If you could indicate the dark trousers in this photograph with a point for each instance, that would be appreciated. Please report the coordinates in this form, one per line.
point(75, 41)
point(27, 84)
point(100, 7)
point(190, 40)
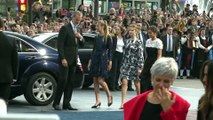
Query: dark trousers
point(145, 83)
point(169, 54)
point(5, 91)
point(65, 84)
point(116, 64)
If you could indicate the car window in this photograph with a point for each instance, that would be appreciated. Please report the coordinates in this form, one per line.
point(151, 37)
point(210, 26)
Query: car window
point(22, 46)
point(88, 43)
point(52, 42)
point(25, 47)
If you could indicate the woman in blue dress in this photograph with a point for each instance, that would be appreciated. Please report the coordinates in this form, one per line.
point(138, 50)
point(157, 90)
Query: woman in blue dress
point(101, 62)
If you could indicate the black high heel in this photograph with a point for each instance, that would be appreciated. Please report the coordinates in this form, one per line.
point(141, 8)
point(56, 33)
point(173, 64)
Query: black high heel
point(109, 104)
point(96, 106)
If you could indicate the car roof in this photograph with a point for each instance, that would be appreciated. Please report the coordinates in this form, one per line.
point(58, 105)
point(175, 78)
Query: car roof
point(43, 36)
point(30, 40)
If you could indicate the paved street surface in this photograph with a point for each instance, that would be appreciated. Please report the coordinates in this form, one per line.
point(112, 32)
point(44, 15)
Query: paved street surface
point(191, 90)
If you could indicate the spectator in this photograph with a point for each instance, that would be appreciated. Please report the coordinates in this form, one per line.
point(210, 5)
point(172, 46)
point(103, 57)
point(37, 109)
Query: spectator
point(63, 13)
point(69, 13)
point(159, 103)
point(81, 9)
point(36, 8)
point(170, 44)
point(31, 33)
point(205, 111)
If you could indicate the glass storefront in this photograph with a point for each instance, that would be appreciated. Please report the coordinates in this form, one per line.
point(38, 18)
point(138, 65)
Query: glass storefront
point(140, 5)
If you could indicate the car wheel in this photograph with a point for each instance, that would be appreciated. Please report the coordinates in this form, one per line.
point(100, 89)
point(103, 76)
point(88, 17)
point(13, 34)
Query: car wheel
point(41, 89)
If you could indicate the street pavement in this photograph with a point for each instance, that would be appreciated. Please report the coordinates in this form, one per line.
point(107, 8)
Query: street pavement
point(189, 89)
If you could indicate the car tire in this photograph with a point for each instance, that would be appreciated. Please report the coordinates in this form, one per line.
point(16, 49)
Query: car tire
point(41, 89)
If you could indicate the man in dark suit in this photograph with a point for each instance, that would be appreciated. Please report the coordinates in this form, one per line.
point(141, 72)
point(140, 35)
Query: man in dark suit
point(170, 44)
point(68, 40)
point(142, 37)
point(8, 62)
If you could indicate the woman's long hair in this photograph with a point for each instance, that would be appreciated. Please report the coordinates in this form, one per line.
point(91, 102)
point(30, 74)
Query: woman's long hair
point(206, 101)
point(105, 28)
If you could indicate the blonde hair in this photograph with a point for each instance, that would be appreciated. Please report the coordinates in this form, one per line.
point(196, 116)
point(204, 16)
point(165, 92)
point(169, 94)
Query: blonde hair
point(105, 28)
point(134, 26)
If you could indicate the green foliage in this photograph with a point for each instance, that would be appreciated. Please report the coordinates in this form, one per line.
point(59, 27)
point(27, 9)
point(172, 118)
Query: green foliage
point(25, 18)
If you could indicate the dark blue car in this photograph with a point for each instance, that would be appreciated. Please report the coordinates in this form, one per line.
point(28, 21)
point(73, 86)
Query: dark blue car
point(84, 51)
point(38, 71)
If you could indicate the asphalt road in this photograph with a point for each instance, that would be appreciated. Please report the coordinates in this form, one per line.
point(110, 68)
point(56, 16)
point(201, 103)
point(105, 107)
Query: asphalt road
point(191, 90)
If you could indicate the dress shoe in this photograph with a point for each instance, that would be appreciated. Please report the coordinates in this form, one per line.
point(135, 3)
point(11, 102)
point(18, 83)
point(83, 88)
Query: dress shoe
point(56, 107)
point(109, 104)
point(97, 105)
point(69, 108)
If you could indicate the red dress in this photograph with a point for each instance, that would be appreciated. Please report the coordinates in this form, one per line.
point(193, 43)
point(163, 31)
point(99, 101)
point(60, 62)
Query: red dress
point(178, 111)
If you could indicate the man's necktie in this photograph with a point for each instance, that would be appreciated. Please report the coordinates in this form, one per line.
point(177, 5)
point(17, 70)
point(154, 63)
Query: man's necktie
point(169, 44)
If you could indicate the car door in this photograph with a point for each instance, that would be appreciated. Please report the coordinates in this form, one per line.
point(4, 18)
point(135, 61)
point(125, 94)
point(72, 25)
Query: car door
point(52, 41)
point(85, 52)
point(79, 76)
point(27, 54)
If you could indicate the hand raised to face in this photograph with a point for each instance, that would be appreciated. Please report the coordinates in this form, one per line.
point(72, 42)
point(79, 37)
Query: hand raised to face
point(165, 98)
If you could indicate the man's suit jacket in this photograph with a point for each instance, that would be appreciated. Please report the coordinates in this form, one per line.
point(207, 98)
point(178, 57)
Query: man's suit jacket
point(175, 45)
point(8, 59)
point(68, 45)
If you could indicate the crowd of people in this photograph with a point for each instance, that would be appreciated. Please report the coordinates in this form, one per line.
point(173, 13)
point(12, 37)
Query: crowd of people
point(129, 47)
point(177, 26)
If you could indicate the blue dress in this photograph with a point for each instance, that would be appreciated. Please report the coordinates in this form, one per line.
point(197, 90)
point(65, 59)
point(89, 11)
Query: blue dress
point(102, 53)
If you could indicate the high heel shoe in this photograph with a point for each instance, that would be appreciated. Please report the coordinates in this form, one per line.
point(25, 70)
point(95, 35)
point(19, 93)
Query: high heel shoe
point(109, 104)
point(96, 106)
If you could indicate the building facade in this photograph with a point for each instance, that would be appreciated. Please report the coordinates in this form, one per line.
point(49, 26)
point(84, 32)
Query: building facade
point(6, 5)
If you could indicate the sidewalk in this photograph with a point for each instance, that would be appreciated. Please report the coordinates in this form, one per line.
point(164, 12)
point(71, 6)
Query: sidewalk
point(191, 90)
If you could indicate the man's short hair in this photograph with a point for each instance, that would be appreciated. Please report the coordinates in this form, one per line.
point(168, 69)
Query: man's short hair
point(194, 5)
point(77, 13)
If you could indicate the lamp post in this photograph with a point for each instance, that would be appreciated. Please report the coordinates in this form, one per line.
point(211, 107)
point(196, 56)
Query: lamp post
point(96, 7)
point(30, 2)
